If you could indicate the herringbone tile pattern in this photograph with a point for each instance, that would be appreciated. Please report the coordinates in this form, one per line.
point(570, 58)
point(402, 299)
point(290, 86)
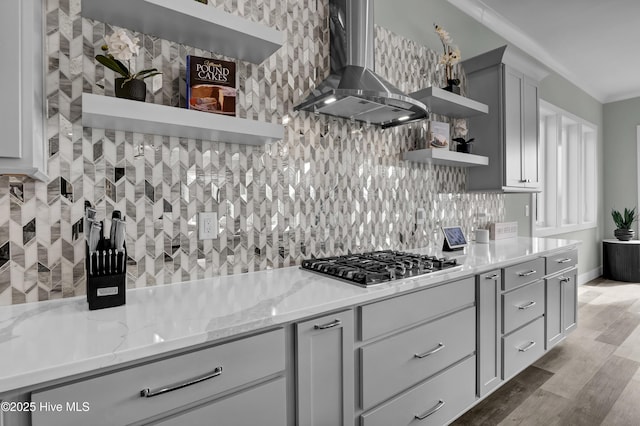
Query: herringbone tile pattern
point(328, 187)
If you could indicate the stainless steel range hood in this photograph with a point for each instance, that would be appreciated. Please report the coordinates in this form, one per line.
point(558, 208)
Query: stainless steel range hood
point(353, 90)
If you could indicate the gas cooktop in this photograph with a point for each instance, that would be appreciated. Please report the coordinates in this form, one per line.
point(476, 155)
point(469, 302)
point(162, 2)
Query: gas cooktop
point(377, 267)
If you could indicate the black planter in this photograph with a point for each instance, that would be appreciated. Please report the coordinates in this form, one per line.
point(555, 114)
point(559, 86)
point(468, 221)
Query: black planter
point(133, 89)
point(624, 234)
point(453, 86)
point(466, 148)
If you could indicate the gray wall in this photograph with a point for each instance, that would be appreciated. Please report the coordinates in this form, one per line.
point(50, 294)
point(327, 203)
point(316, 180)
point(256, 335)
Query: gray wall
point(621, 181)
point(474, 38)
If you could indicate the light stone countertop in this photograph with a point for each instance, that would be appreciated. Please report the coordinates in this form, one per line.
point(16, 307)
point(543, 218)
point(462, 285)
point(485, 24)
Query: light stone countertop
point(46, 341)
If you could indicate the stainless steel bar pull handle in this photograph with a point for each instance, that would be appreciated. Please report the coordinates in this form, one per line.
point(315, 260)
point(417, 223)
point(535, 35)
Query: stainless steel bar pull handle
point(438, 406)
point(493, 277)
point(332, 324)
point(527, 305)
point(148, 393)
point(526, 274)
point(565, 260)
point(527, 347)
point(431, 352)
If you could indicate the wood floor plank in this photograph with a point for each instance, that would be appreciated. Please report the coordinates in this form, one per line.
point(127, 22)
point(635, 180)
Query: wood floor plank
point(594, 402)
point(630, 348)
point(541, 408)
point(558, 357)
point(582, 358)
point(511, 395)
point(587, 296)
point(626, 410)
point(620, 329)
point(600, 316)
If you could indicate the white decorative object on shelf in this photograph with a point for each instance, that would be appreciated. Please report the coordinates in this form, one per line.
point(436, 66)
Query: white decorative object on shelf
point(442, 102)
point(105, 112)
point(445, 157)
point(503, 230)
point(190, 23)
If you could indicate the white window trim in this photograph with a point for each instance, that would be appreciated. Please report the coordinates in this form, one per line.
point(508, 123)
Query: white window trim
point(638, 158)
point(564, 229)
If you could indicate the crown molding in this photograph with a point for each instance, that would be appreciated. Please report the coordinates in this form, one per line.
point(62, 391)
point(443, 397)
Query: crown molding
point(488, 17)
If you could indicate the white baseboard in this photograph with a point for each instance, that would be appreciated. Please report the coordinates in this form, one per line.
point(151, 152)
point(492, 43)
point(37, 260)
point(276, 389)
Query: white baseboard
point(590, 275)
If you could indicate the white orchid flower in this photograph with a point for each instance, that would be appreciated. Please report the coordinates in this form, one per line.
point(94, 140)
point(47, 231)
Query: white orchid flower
point(121, 46)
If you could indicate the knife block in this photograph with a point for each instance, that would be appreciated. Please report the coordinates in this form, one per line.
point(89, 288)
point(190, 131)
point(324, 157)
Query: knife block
point(105, 290)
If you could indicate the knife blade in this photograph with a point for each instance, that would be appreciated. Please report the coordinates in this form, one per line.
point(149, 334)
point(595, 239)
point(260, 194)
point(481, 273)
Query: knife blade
point(94, 240)
point(119, 244)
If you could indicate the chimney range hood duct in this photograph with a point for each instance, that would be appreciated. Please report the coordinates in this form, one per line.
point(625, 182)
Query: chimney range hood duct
point(353, 90)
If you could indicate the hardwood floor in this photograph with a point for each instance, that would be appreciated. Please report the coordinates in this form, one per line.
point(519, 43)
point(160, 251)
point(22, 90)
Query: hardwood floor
point(592, 378)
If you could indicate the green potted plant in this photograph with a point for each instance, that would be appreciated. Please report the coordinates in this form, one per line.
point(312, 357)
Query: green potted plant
point(120, 47)
point(623, 223)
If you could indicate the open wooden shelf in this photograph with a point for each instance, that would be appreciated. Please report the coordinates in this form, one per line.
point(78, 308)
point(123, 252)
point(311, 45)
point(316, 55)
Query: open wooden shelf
point(190, 23)
point(440, 101)
point(105, 112)
point(445, 157)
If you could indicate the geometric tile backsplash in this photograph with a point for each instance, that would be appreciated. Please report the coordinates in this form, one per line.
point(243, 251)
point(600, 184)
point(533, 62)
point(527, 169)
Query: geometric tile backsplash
point(329, 187)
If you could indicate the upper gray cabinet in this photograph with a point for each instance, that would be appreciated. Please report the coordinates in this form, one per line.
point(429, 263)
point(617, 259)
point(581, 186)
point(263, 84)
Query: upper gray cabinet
point(507, 81)
point(23, 142)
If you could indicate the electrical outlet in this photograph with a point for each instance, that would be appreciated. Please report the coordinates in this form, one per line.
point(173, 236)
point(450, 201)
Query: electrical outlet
point(207, 226)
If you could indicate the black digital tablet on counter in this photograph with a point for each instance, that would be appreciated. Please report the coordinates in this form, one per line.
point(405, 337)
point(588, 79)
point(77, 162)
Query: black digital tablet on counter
point(453, 238)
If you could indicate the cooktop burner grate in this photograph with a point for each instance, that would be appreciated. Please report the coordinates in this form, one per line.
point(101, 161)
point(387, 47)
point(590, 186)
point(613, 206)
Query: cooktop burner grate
point(377, 267)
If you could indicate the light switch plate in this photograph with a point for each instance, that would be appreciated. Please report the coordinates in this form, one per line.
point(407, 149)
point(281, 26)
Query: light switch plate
point(207, 226)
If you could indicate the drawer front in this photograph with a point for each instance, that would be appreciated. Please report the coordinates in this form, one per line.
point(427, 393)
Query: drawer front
point(521, 348)
point(522, 305)
point(115, 399)
point(264, 405)
point(437, 401)
point(402, 311)
point(396, 363)
point(560, 261)
point(522, 273)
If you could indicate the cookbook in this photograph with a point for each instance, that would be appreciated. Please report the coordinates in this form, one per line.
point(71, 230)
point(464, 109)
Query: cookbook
point(439, 135)
point(211, 85)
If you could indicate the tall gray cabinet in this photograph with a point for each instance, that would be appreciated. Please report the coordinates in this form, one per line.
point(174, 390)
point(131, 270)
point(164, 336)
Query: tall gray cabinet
point(325, 370)
point(22, 112)
point(507, 81)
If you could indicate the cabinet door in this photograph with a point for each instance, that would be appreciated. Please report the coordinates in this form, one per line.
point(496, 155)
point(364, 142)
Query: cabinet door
point(489, 314)
point(553, 311)
point(10, 108)
point(569, 301)
point(22, 112)
point(513, 125)
point(530, 133)
point(325, 370)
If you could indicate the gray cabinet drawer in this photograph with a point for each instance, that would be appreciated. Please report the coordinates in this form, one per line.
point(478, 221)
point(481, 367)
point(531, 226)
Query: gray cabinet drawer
point(522, 305)
point(521, 348)
point(522, 273)
point(402, 311)
point(264, 405)
point(115, 398)
point(560, 261)
point(396, 363)
point(438, 400)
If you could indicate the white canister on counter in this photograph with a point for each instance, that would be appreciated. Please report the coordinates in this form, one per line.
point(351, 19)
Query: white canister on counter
point(482, 236)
